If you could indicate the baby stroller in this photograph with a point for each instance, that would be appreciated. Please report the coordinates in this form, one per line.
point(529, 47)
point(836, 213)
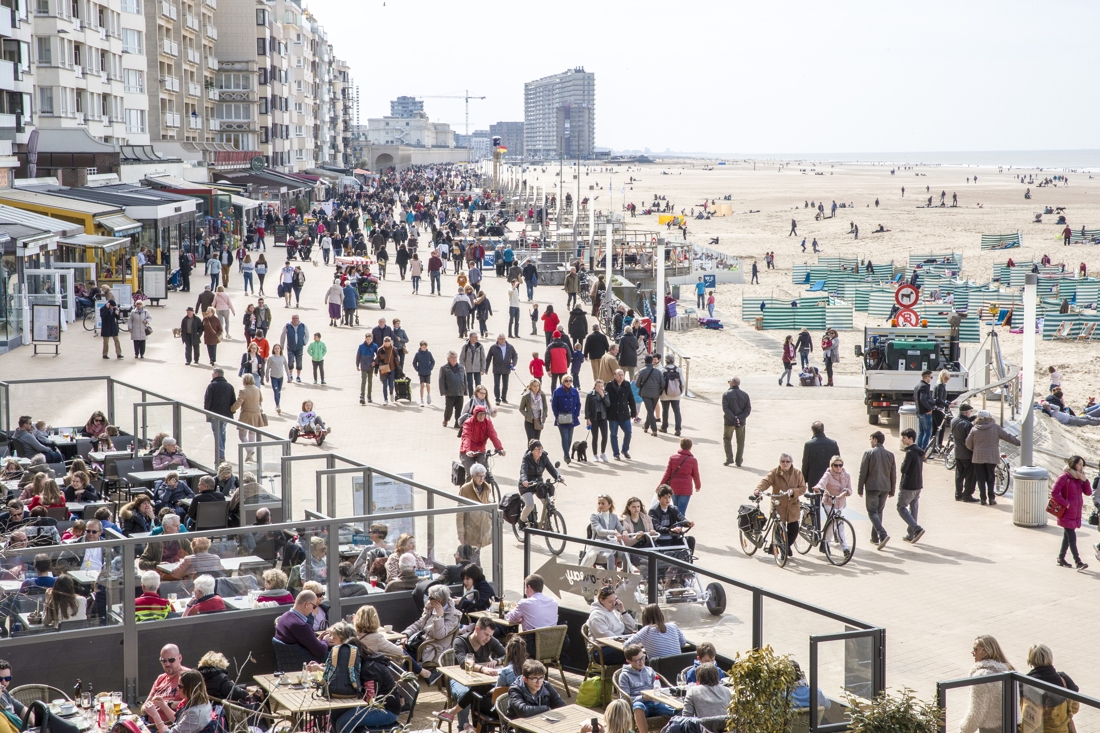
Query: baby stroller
point(174, 281)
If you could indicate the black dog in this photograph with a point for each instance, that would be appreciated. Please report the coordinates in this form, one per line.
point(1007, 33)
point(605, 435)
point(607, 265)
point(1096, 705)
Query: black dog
point(580, 451)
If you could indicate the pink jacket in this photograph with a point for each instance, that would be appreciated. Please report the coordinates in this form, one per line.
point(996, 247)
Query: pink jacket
point(1070, 493)
point(834, 487)
point(223, 303)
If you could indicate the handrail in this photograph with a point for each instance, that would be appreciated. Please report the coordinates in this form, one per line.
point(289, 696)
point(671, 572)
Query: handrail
point(1011, 683)
point(684, 362)
point(1012, 395)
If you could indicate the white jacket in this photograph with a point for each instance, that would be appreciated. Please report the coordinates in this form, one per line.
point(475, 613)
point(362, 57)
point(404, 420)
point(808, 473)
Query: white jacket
point(602, 623)
point(985, 700)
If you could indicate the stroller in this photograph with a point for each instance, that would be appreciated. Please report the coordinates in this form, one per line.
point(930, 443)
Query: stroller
point(174, 281)
point(305, 250)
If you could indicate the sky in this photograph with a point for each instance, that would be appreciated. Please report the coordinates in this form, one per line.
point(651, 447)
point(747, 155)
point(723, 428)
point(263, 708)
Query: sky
point(727, 76)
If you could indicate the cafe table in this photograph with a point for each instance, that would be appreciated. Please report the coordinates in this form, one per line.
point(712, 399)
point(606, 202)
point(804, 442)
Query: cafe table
point(662, 696)
point(567, 719)
point(492, 616)
point(286, 694)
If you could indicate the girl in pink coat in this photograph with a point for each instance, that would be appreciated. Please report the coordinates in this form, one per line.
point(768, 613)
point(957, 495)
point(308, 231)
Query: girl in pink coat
point(1070, 491)
point(836, 486)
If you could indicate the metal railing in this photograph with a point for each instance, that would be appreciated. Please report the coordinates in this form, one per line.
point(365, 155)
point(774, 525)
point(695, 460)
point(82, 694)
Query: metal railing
point(1013, 711)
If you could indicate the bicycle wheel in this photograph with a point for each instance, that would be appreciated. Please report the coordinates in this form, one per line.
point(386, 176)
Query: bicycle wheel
point(949, 455)
point(518, 530)
point(555, 523)
point(89, 320)
point(838, 530)
point(750, 541)
point(779, 545)
point(496, 490)
point(1002, 478)
point(807, 535)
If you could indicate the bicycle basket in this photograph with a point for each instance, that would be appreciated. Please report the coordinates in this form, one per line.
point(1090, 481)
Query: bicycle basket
point(544, 490)
point(750, 518)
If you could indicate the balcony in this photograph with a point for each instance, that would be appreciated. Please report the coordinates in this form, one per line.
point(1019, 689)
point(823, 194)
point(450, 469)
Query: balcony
point(212, 4)
point(170, 48)
point(171, 119)
point(213, 95)
point(79, 71)
point(194, 122)
point(211, 63)
point(211, 32)
point(103, 34)
point(168, 10)
point(191, 22)
point(80, 118)
point(193, 56)
point(193, 89)
point(215, 125)
point(76, 24)
point(170, 83)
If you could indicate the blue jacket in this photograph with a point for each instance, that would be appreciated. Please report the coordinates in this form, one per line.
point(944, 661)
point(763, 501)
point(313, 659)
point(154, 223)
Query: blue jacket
point(351, 297)
point(567, 402)
point(423, 363)
point(364, 357)
point(294, 339)
point(578, 360)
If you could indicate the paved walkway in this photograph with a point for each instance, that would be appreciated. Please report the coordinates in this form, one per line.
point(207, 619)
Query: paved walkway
point(973, 573)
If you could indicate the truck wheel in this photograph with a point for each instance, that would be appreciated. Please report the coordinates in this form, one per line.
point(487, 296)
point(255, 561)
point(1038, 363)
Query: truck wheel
point(873, 419)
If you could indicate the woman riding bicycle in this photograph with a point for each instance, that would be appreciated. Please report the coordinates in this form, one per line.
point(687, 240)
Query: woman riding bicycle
point(835, 486)
point(786, 481)
point(477, 431)
point(534, 462)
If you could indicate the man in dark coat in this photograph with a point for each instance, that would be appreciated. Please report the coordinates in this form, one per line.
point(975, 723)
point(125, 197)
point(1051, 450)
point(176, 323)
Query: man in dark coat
point(736, 407)
point(620, 411)
point(501, 358)
point(191, 335)
point(595, 346)
point(628, 352)
point(109, 316)
point(964, 477)
point(817, 453)
point(578, 325)
point(219, 400)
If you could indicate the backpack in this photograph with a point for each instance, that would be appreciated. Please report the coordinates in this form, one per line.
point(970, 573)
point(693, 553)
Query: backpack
point(673, 388)
point(510, 506)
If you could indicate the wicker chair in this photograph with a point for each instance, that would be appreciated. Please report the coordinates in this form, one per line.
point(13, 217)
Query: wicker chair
point(238, 719)
point(27, 694)
point(596, 663)
point(653, 723)
point(549, 641)
point(503, 713)
point(487, 722)
point(446, 659)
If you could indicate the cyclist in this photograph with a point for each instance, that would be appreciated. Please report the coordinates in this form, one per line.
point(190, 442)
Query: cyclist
point(786, 481)
point(835, 486)
point(534, 462)
point(476, 432)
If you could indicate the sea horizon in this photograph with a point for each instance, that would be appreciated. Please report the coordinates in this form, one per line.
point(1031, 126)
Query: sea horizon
point(1081, 161)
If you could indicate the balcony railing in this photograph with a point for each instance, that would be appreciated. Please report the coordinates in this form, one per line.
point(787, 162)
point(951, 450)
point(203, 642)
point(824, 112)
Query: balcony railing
point(211, 32)
point(213, 94)
point(79, 71)
point(193, 89)
point(215, 125)
point(171, 119)
point(170, 83)
point(211, 63)
point(169, 47)
point(194, 122)
point(168, 10)
point(193, 56)
point(213, 4)
point(191, 22)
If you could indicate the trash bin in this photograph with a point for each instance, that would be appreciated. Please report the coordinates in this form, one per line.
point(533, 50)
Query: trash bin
point(675, 292)
point(907, 418)
point(1030, 492)
point(760, 323)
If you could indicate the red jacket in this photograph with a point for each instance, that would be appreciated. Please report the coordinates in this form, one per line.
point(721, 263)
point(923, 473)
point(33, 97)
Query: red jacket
point(682, 473)
point(558, 356)
point(1070, 492)
point(550, 322)
point(209, 604)
point(475, 434)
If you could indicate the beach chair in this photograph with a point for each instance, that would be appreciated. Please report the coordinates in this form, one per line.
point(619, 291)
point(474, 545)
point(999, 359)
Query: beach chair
point(817, 287)
point(1062, 334)
point(1087, 332)
point(898, 277)
point(806, 280)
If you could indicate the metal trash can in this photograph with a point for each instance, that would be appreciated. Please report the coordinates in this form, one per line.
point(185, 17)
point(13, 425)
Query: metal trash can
point(907, 418)
point(1030, 492)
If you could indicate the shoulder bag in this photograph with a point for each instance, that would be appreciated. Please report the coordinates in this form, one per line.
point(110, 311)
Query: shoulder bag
point(1055, 509)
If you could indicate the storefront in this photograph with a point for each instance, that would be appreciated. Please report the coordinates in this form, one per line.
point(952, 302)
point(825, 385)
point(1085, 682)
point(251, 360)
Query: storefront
point(28, 279)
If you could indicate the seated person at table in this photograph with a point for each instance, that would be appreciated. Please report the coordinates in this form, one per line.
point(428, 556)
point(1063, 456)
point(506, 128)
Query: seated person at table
point(103, 514)
point(658, 637)
point(707, 698)
point(168, 551)
point(63, 603)
point(704, 653)
point(319, 619)
point(269, 544)
point(74, 532)
point(295, 627)
point(34, 480)
point(274, 592)
point(636, 678)
point(477, 594)
point(80, 488)
point(167, 686)
point(169, 491)
point(609, 618)
point(537, 610)
point(8, 703)
point(207, 492)
point(353, 672)
point(315, 567)
point(104, 444)
point(515, 654)
point(348, 587)
point(488, 656)
point(530, 695)
point(666, 517)
point(149, 606)
point(193, 713)
point(156, 443)
point(800, 694)
point(464, 555)
point(378, 548)
point(406, 577)
point(212, 667)
point(137, 516)
point(201, 560)
point(617, 717)
point(42, 432)
point(367, 629)
point(43, 578)
point(249, 492)
point(28, 445)
point(204, 599)
point(14, 517)
point(406, 543)
point(224, 481)
point(169, 456)
point(93, 556)
point(439, 621)
point(96, 425)
point(50, 497)
point(13, 471)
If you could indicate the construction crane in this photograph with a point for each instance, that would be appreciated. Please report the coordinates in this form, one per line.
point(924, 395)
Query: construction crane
point(465, 96)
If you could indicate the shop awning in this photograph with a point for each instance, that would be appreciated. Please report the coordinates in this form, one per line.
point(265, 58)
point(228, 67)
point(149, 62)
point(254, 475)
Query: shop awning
point(107, 244)
point(245, 203)
point(120, 224)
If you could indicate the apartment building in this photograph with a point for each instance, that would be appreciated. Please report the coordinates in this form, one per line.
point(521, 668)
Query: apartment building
point(80, 51)
point(181, 69)
point(16, 81)
point(559, 115)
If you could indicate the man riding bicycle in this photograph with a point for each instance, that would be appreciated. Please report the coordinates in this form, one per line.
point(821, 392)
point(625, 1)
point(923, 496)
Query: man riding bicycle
point(476, 432)
point(534, 462)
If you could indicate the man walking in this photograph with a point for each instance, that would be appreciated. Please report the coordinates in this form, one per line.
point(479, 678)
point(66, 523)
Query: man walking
point(650, 384)
point(736, 407)
point(700, 294)
point(964, 477)
point(912, 481)
point(472, 357)
point(878, 477)
point(794, 228)
point(452, 386)
point(219, 399)
point(513, 310)
point(502, 358)
point(755, 274)
point(364, 363)
point(294, 339)
point(572, 287)
point(214, 270)
point(984, 441)
point(620, 412)
point(595, 346)
point(191, 335)
point(922, 396)
point(817, 454)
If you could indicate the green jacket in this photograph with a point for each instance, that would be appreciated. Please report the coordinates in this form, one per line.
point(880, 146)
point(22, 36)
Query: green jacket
point(317, 350)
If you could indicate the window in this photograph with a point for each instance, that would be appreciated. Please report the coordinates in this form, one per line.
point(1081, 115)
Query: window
point(45, 100)
point(261, 16)
point(45, 51)
point(134, 80)
point(131, 41)
point(263, 105)
point(263, 77)
point(135, 120)
point(261, 47)
point(234, 111)
point(299, 131)
point(42, 7)
point(131, 6)
point(265, 134)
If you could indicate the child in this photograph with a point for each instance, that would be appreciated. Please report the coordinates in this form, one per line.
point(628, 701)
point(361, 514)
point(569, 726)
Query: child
point(537, 367)
point(1055, 378)
point(265, 347)
point(42, 433)
point(575, 366)
point(317, 351)
point(309, 420)
point(535, 321)
point(710, 304)
point(423, 365)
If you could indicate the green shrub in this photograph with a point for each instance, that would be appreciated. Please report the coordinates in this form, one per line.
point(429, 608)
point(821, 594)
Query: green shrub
point(901, 713)
point(762, 682)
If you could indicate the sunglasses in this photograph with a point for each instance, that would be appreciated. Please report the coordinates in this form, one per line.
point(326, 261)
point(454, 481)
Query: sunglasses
point(784, 461)
point(170, 660)
point(5, 679)
point(838, 465)
point(91, 531)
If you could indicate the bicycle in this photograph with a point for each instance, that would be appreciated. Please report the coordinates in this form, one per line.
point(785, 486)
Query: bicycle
point(91, 320)
point(551, 521)
point(949, 453)
point(754, 536)
point(489, 478)
point(1002, 476)
point(830, 537)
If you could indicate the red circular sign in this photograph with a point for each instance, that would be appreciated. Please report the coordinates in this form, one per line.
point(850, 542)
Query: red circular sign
point(908, 317)
point(906, 296)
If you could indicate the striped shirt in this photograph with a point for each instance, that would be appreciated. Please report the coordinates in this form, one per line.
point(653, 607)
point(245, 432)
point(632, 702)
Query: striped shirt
point(657, 644)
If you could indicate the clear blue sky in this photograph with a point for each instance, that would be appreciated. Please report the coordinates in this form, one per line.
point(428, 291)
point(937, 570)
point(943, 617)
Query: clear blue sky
point(748, 77)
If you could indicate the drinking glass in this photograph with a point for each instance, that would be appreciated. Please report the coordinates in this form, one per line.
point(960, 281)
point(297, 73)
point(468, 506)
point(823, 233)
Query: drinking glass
point(116, 698)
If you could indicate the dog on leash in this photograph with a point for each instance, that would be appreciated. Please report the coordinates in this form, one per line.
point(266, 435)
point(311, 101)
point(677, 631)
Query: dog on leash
point(580, 451)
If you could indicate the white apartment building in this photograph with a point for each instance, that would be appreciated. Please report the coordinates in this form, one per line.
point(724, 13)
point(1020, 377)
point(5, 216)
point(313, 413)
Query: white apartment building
point(79, 53)
point(417, 131)
point(181, 69)
point(559, 115)
point(17, 107)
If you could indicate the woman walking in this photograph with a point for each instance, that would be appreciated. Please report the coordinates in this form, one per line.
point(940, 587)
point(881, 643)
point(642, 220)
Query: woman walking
point(298, 281)
point(249, 402)
point(550, 323)
point(533, 407)
point(830, 352)
point(211, 334)
point(566, 405)
point(402, 259)
point(261, 271)
point(334, 297)
point(787, 481)
point(1069, 492)
point(223, 306)
point(416, 267)
point(595, 417)
point(275, 366)
point(248, 321)
point(252, 363)
point(385, 363)
point(788, 360)
point(139, 321)
point(984, 713)
point(248, 268)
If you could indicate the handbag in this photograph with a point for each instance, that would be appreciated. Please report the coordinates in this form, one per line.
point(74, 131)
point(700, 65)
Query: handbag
point(1054, 508)
point(564, 418)
point(536, 423)
point(148, 330)
point(263, 418)
point(413, 643)
point(384, 369)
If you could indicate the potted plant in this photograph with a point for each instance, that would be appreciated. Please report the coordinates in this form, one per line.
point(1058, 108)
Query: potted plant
point(762, 683)
point(900, 713)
